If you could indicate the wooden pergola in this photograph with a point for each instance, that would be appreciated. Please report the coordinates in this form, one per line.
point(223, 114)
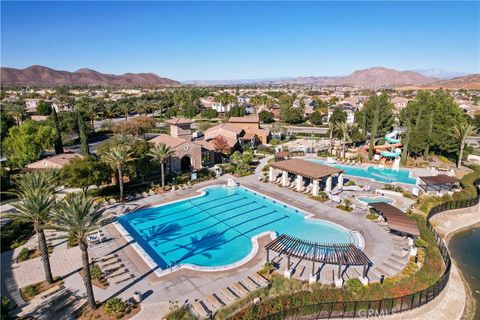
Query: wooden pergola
point(439, 183)
point(336, 254)
point(397, 219)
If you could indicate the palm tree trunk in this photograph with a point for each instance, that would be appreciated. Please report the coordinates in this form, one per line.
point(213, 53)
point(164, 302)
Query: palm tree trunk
point(42, 246)
point(87, 279)
point(126, 117)
point(120, 182)
point(162, 169)
point(460, 155)
point(93, 125)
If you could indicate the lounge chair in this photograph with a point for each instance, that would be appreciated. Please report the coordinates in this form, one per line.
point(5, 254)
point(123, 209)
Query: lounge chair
point(249, 284)
point(152, 193)
point(201, 309)
point(107, 257)
point(260, 279)
point(145, 195)
point(229, 294)
point(239, 288)
point(215, 301)
point(124, 278)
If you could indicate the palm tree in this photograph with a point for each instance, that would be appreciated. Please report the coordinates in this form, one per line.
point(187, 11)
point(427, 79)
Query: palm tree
point(36, 192)
point(331, 127)
point(160, 153)
point(78, 215)
point(109, 110)
point(460, 133)
point(125, 107)
point(344, 129)
point(17, 111)
point(118, 157)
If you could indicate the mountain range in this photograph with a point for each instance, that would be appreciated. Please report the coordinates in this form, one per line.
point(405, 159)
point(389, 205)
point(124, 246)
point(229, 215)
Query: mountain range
point(43, 76)
point(376, 77)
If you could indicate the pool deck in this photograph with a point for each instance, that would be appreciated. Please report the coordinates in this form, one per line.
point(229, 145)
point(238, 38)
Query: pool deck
point(183, 284)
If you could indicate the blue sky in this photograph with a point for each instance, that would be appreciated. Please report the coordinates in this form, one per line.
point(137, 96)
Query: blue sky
point(241, 40)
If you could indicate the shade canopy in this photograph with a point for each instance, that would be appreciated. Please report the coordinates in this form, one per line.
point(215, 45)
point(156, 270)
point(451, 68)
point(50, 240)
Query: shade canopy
point(396, 219)
point(338, 254)
point(306, 169)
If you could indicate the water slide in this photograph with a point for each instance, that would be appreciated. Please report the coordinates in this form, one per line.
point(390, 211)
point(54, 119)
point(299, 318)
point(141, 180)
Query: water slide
point(392, 145)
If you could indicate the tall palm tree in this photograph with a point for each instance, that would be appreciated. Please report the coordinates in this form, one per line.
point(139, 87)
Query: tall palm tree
point(36, 194)
point(118, 157)
point(460, 133)
point(109, 110)
point(344, 130)
point(78, 216)
point(160, 153)
point(331, 127)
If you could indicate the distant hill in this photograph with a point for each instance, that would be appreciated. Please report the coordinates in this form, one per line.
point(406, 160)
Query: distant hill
point(43, 76)
point(441, 73)
point(471, 81)
point(378, 77)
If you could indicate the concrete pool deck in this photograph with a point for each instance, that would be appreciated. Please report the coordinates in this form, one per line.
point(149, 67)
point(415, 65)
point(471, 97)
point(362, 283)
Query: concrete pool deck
point(183, 285)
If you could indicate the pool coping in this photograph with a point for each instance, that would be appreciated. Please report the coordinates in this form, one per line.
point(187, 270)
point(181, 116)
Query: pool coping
point(255, 243)
point(410, 173)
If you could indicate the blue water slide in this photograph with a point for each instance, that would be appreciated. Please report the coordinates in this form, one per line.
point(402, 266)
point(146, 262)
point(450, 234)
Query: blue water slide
point(388, 154)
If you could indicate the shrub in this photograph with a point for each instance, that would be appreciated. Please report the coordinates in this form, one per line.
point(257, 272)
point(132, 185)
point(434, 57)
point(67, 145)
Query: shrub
point(114, 306)
point(31, 291)
point(344, 208)
point(372, 216)
point(96, 272)
point(24, 254)
point(179, 312)
point(15, 234)
point(421, 243)
point(350, 183)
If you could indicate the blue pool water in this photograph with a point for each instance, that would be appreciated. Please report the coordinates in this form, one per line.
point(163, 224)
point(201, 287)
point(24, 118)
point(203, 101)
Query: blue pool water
point(386, 175)
point(369, 200)
point(216, 229)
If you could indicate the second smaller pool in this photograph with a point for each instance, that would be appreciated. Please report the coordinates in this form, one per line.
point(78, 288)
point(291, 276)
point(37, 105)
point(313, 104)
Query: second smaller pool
point(369, 200)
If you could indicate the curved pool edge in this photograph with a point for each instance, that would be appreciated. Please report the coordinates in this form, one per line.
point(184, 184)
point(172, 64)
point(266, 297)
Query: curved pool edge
point(255, 243)
point(410, 173)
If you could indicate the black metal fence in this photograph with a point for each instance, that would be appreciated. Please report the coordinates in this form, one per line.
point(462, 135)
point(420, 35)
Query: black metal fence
point(375, 308)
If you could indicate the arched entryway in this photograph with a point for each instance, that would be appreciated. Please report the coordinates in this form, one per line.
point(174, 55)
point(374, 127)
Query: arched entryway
point(186, 164)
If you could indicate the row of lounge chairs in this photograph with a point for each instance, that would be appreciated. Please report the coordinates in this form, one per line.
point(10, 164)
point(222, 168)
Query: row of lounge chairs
point(114, 269)
point(348, 162)
point(207, 307)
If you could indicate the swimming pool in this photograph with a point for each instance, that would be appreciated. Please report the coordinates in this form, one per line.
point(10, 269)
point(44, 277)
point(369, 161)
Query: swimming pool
point(373, 172)
point(369, 200)
point(216, 229)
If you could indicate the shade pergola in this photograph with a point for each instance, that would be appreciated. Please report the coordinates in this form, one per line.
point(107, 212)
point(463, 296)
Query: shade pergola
point(439, 183)
point(397, 220)
point(337, 254)
point(306, 169)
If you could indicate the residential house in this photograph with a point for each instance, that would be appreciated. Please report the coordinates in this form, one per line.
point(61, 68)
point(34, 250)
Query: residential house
point(347, 108)
point(57, 161)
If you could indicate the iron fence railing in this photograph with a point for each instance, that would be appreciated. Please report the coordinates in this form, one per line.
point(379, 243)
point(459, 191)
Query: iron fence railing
point(375, 308)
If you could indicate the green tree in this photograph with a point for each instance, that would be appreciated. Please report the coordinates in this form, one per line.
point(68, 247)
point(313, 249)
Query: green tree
point(118, 157)
point(237, 111)
point(6, 122)
point(17, 110)
point(83, 173)
point(431, 116)
point(190, 111)
point(344, 129)
point(337, 116)
point(43, 108)
point(161, 153)
point(26, 142)
point(265, 116)
point(78, 216)
point(83, 135)
point(209, 113)
point(171, 112)
point(460, 133)
point(291, 115)
point(125, 107)
point(225, 98)
point(35, 191)
point(316, 118)
point(57, 143)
